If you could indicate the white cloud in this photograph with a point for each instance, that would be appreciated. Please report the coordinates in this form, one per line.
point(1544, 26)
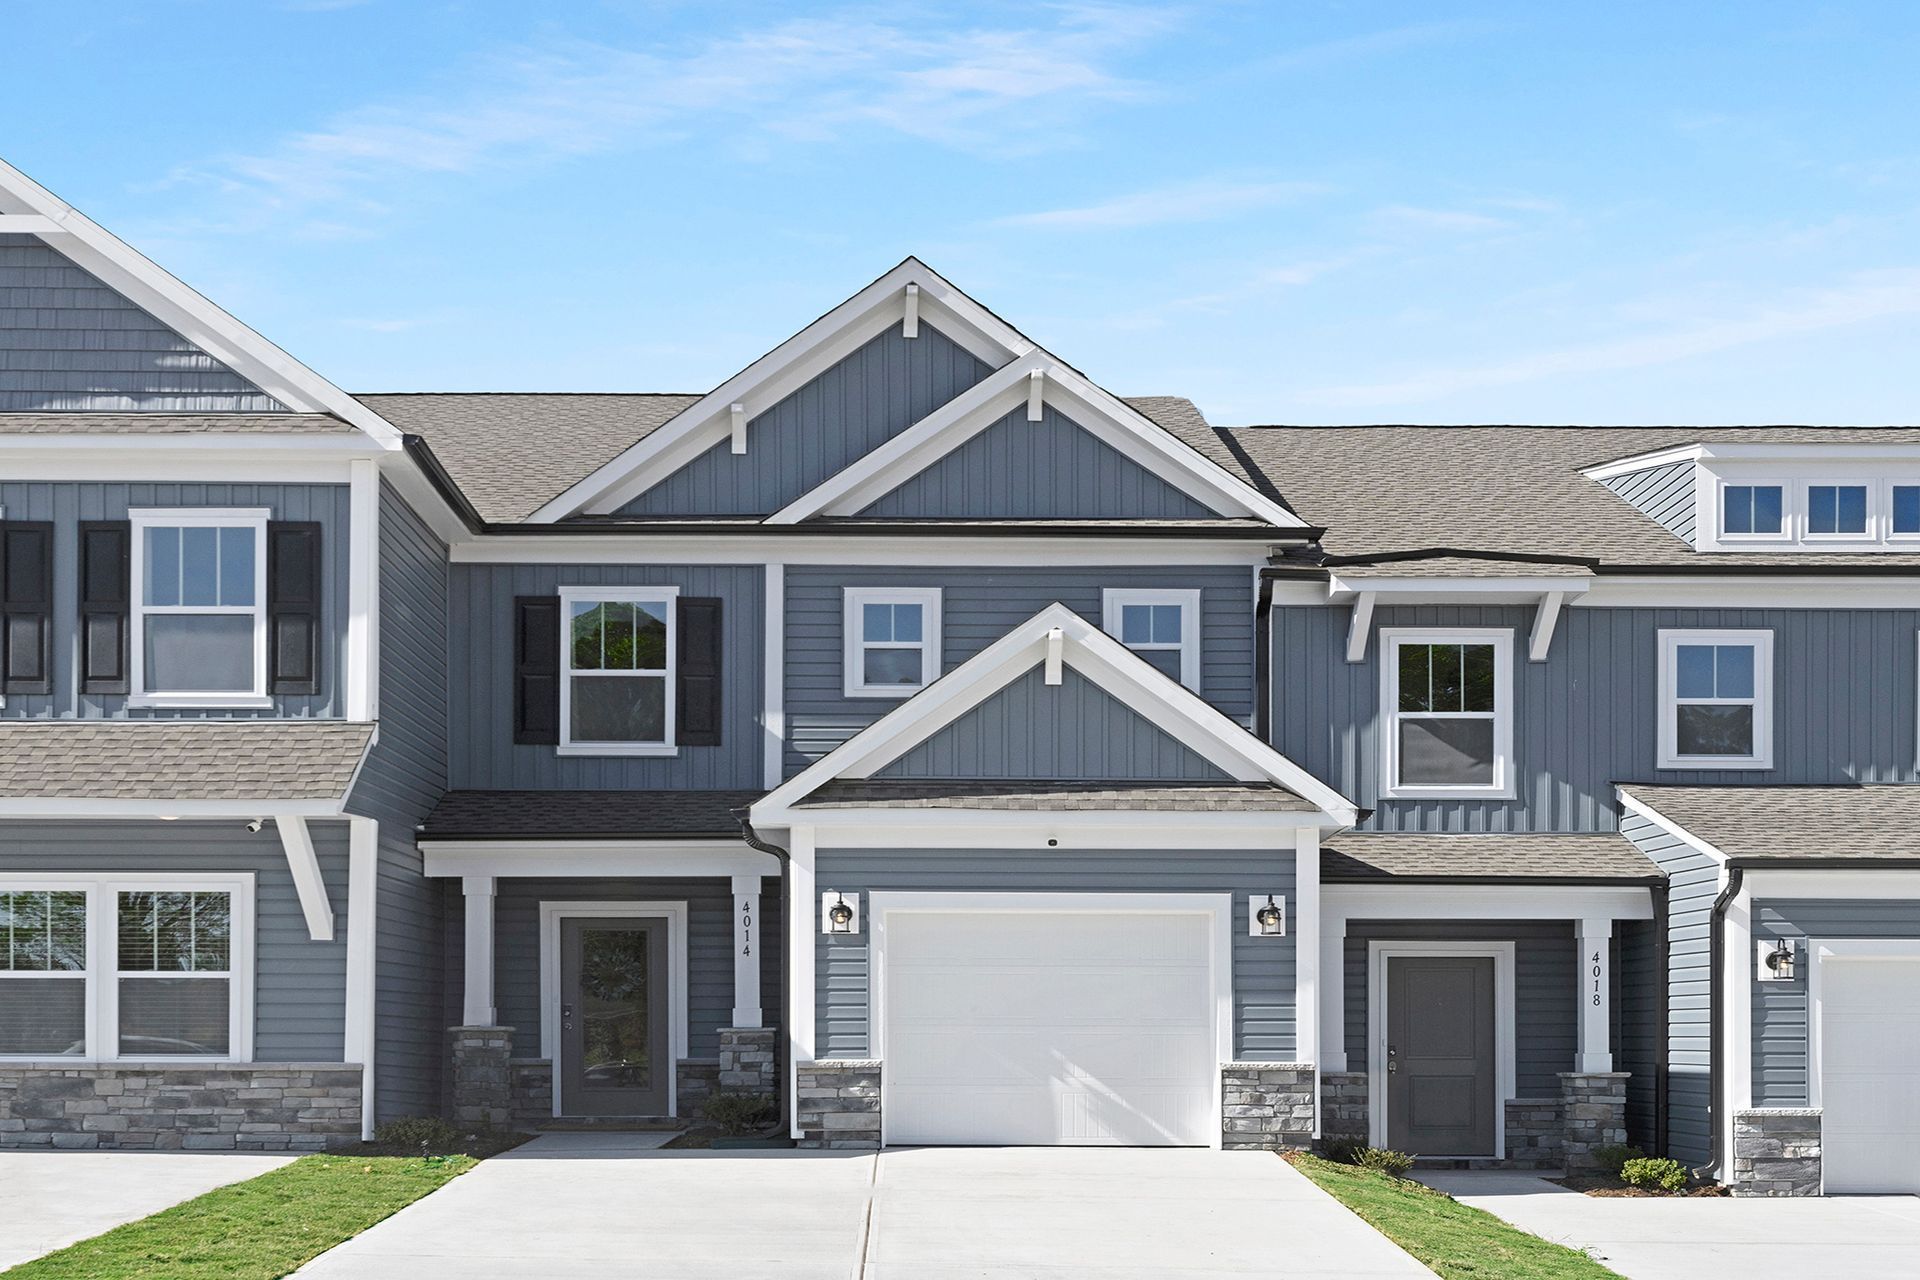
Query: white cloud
point(1202, 201)
point(1864, 297)
point(1446, 220)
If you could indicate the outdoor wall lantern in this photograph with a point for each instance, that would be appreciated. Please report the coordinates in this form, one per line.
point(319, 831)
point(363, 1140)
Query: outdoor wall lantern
point(837, 915)
point(1776, 960)
point(1268, 919)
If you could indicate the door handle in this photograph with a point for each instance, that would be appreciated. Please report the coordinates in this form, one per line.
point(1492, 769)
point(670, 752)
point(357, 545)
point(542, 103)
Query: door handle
point(1393, 1059)
point(566, 1017)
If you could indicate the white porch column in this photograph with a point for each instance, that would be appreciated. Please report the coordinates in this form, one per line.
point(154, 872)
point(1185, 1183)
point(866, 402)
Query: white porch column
point(363, 935)
point(1306, 947)
point(746, 951)
point(1596, 1002)
point(1333, 990)
point(803, 922)
point(479, 1010)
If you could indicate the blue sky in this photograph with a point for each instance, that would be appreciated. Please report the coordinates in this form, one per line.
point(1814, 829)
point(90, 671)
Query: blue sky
point(1291, 212)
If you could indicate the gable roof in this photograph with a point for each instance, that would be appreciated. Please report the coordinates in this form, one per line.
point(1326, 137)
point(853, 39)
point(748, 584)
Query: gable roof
point(1369, 857)
point(1785, 825)
point(171, 424)
point(181, 760)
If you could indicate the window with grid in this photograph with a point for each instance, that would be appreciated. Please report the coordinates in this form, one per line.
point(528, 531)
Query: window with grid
point(43, 972)
point(1448, 724)
point(892, 641)
point(1163, 627)
point(199, 610)
point(174, 958)
point(1716, 703)
point(618, 670)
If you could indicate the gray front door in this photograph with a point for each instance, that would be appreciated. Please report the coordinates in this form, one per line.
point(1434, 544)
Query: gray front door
point(613, 1018)
point(1440, 1055)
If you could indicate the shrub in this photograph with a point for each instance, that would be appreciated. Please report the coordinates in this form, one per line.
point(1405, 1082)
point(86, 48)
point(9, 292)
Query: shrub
point(741, 1113)
point(429, 1133)
point(1342, 1150)
point(1612, 1156)
point(1655, 1175)
point(1395, 1164)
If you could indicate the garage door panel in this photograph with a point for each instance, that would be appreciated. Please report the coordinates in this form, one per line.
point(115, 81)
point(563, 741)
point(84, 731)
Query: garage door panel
point(994, 1055)
point(1870, 1074)
point(1086, 996)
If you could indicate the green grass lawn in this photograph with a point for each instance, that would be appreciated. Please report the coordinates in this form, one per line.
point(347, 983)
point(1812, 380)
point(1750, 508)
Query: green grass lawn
point(1457, 1242)
point(257, 1229)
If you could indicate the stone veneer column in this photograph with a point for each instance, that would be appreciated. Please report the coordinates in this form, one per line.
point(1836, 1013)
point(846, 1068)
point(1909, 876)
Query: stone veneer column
point(1343, 1106)
point(747, 1059)
point(482, 1076)
point(1594, 1111)
point(837, 1103)
point(1776, 1152)
point(1266, 1106)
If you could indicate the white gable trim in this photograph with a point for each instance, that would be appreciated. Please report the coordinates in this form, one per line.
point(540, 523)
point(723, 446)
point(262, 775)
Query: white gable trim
point(1102, 415)
point(1096, 655)
point(143, 282)
point(784, 370)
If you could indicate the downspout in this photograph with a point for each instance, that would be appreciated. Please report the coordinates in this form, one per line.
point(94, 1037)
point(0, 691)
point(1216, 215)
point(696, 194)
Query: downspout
point(1662, 956)
point(1263, 660)
point(1716, 1036)
point(753, 841)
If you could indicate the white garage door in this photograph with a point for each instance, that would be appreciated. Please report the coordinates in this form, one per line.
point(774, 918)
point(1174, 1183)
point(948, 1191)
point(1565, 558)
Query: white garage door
point(1049, 1028)
point(1870, 1074)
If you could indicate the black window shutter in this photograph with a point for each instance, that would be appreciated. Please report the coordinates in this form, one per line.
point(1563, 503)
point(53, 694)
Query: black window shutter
point(536, 669)
point(293, 607)
point(106, 595)
point(26, 605)
point(698, 692)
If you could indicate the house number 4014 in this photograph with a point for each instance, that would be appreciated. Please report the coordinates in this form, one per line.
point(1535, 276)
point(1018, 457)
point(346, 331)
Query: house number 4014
point(746, 926)
point(1595, 973)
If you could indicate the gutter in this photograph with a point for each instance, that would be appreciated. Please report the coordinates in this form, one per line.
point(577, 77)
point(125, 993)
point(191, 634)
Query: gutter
point(784, 1120)
point(1716, 1033)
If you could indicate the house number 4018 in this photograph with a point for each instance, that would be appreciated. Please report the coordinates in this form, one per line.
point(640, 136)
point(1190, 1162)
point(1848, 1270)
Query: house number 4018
point(1595, 973)
point(746, 926)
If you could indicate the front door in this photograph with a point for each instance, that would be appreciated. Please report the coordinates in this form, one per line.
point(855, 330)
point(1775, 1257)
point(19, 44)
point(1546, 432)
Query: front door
point(613, 1018)
point(1440, 1055)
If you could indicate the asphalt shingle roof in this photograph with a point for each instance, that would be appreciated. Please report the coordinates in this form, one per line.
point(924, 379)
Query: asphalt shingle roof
point(1053, 796)
point(180, 759)
point(580, 815)
point(1788, 824)
point(171, 424)
point(1371, 857)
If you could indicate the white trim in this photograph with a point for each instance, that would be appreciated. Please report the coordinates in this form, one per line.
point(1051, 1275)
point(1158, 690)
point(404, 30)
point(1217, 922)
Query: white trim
point(854, 642)
point(594, 858)
point(138, 465)
point(1736, 973)
point(304, 866)
point(748, 930)
point(1064, 829)
point(1644, 462)
point(1113, 600)
point(1415, 589)
point(1505, 1056)
point(675, 914)
point(1359, 626)
point(363, 591)
point(1595, 998)
point(103, 973)
point(1760, 640)
point(1345, 902)
point(1633, 804)
point(1873, 513)
point(142, 521)
point(773, 680)
point(569, 597)
point(799, 942)
point(1819, 951)
point(1332, 1005)
point(1827, 882)
point(1545, 616)
point(1717, 534)
point(477, 900)
point(1307, 956)
point(1796, 591)
point(1217, 907)
point(358, 1040)
point(59, 807)
point(803, 547)
point(1502, 715)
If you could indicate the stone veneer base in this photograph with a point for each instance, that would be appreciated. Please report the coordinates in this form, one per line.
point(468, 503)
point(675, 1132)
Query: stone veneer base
point(837, 1103)
point(1776, 1152)
point(1590, 1113)
point(1594, 1115)
point(257, 1106)
point(1266, 1106)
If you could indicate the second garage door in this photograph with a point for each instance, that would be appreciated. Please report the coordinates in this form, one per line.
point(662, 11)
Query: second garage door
point(1054, 1028)
point(1870, 1074)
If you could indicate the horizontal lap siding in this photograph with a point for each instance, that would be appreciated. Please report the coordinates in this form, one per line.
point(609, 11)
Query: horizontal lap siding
point(978, 607)
point(1263, 979)
point(299, 984)
point(1588, 716)
point(480, 692)
point(67, 503)
point(863, 401)
point(1780, 1008)
point(1544, 975)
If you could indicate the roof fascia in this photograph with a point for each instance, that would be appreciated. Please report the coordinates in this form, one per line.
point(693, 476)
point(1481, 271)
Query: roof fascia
point(173, 303)
point(783, 370)
point(1634, 804)
point(1488, 590)
point(1644, 461)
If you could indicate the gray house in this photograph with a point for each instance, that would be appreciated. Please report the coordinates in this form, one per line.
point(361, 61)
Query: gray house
point(915, 731)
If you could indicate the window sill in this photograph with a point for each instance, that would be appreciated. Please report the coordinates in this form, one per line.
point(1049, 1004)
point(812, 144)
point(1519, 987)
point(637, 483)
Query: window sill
point(75, 1062)
point(615, 750)
point(1706, 764)
point(203, 701)
point(1448, 793)
point(895, 695)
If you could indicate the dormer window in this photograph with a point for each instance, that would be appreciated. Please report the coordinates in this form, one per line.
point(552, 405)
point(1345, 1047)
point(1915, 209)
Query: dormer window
point(1836, 510)
point(1752, 510)
point(1904, 510)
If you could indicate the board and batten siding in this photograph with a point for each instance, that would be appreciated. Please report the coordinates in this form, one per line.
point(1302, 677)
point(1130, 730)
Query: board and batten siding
point(843, 414)
point(1588, 716)
point(1693, 881)
point(1664, 494)
point(1051, 469)
point(1075, 729)
point(480, 684)
point(1263, 968)
point(405, 775)
point(67, 503)
point(978, 606)
point(299, 985)
point(1780, 1030)
point(69, 342)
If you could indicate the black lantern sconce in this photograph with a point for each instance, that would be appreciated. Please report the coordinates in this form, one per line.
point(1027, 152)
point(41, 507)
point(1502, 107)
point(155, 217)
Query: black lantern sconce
point(1776, 960)
point(1268, 919)
point(837, 915)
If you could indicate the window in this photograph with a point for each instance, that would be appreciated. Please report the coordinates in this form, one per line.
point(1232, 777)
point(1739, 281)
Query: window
point(1904, 509)
point(1836, 510)
point(1752, 510)
point(1716, 700)
point(199, 617)
point(892, 641)
point(1448, 717)
point(1161, 626)
point(126, 968)
point(617, 664)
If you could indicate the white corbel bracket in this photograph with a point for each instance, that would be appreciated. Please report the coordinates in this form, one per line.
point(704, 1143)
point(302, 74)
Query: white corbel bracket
point(1545, 616)
point(1359, 627)
point(739, 415)
point(910, 324)
point(1036, 394)
point(304, 865)
point(1056, 644)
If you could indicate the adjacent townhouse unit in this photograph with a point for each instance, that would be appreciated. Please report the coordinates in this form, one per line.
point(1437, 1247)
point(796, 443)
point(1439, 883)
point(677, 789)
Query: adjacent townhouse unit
point(914, 731)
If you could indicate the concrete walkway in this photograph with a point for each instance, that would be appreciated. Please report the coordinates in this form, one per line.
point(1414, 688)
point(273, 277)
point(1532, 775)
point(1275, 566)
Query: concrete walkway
point(559, 1207)
point(1859, 1237)
point(50, 1199)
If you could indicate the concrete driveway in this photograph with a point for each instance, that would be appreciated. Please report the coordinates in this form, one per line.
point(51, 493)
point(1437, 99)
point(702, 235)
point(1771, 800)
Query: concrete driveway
point(555, 1207)
point(49, 1199)
point(1859, 1237)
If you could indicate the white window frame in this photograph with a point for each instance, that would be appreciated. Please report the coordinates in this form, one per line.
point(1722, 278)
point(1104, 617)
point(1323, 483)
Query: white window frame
point(1761, 641)
point(1879, 521)
point(143, 519)
point(1501, 638)
point(854, 643)
point(1887, 486)
point(103, 973)
point(1114, 599)
point(570, 596)
point(1789, 512)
